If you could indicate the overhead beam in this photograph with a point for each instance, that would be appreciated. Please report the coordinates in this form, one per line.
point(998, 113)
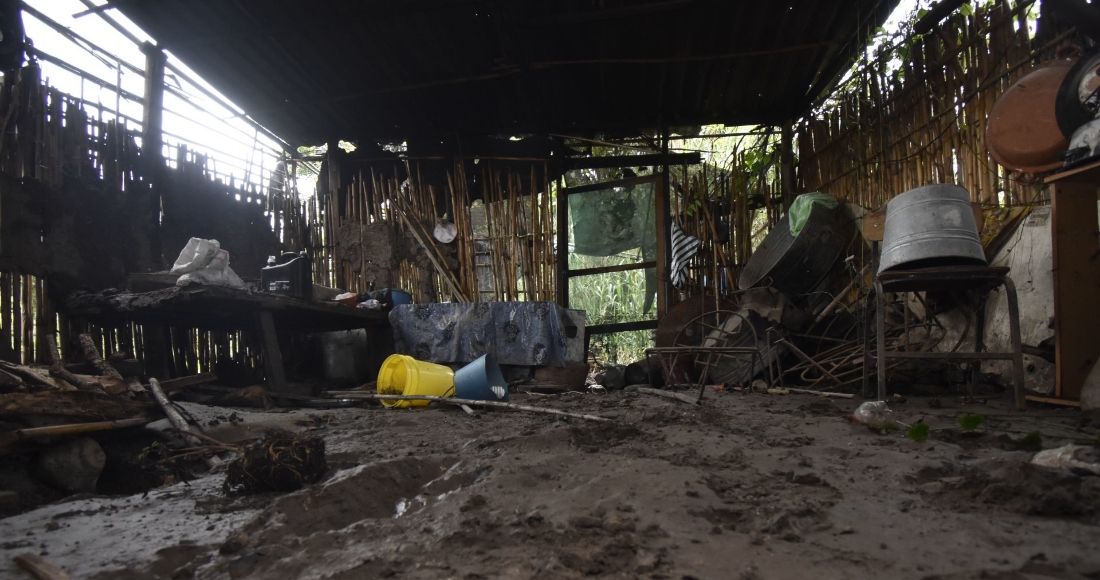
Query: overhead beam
point(693, 158)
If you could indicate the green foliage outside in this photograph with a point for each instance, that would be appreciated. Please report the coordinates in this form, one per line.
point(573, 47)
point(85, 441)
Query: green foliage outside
point(610, 298)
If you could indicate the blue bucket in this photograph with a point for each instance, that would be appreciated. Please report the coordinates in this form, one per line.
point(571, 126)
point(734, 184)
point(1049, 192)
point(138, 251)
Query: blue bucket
point(400, 297)
point(481, 380)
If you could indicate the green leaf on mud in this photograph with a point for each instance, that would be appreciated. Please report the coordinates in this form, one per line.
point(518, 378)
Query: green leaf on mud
point(971, 422)
point(918, 432)
point(1033, 441)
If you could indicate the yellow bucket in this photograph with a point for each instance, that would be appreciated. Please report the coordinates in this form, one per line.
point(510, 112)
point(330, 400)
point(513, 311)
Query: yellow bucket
point(404, 375)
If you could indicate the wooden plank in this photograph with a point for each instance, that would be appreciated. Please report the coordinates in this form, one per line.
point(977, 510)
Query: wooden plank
point(605, 185)
point(1053, 401)
point(620, 327)
point(664, 225)
point(632, 161)
point(1076, 248)
point(191, 381)
point(561, 256)
point(610, 269)
point(874, 222)
point(273, 357)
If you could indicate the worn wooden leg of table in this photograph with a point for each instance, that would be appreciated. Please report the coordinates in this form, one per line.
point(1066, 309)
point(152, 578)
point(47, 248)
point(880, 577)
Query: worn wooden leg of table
point(158, 355)
point(273, 358)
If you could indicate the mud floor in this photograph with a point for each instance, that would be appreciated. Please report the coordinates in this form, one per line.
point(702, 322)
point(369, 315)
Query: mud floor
point(744, 486)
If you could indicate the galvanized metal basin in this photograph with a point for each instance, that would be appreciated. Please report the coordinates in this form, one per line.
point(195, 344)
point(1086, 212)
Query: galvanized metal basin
point(931, 226)
point(808, 268)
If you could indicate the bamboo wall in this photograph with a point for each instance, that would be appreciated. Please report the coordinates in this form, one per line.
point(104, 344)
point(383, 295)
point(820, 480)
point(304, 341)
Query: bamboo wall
point(729, 209)
point(503, 215)
point(888, 131)
point(78, 209)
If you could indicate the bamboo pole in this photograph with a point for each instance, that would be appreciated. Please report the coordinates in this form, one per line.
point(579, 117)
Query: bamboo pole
point(468, 402)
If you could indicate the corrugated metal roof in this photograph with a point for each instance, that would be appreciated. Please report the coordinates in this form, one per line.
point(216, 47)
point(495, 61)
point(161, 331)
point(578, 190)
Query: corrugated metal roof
point(324, 69)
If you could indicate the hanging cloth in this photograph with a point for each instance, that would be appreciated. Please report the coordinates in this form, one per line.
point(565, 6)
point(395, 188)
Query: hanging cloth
point(683, 248)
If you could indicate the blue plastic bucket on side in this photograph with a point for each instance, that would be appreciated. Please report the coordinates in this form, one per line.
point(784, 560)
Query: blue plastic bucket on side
point(400, 297)
point(481, 380)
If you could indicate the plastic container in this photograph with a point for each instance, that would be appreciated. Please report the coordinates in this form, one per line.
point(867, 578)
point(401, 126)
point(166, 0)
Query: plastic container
point(400, 297)
point(292, 276)
point(876, 415)
point(404, 375)
point(481, 380)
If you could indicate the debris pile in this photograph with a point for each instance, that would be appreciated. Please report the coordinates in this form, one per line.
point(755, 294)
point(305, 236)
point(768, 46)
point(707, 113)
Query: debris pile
point(281, 462)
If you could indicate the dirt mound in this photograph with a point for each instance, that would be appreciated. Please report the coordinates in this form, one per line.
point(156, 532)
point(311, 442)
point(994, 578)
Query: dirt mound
point(596, 436)
point(1018, 487)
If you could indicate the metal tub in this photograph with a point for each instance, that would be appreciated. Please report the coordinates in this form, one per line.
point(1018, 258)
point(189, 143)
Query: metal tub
point(809, 269)
point(931, 226)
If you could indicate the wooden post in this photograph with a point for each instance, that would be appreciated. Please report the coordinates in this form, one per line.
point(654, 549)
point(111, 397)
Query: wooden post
point(152, 118)
point(1076, 264)
point(152, 143)
point(273, 357)
point(663, 214)
point(786, 164)
point(561, 256)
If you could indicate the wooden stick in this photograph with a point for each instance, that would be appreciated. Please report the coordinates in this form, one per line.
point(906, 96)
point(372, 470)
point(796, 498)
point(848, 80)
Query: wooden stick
point(460, 402)
point(58, 370)
point(668, 395)
point(821, 393)
point(177, 420)
point(39, 567)
point(71, 429)
point(91, 354)
point(431, 251)
point(191, 381)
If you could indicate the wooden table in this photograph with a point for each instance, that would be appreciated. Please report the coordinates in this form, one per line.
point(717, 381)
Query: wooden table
point(220, 308)
point(1075, 236)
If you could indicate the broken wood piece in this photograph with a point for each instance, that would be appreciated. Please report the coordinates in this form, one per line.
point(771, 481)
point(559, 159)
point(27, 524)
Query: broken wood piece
point(135, 386)
point(10, 381)
point(190, 381)
point(669, 395)
point(36, 376)
point(470, 402)
point(178, 421)
point(91, 354)
point(58, 370)
point(467, 409)
point(39, 567)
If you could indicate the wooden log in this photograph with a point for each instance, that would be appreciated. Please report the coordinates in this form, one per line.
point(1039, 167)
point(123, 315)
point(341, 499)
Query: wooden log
point(178, 421)
point(460, 402)
point(176, 384)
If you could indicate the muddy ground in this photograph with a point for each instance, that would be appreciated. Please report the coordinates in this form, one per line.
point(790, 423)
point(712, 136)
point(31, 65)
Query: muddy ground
point(749, 486)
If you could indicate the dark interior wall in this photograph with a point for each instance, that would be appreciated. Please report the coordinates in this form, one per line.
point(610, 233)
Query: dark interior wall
point(78, 235)
point(85, 236)
point(196, 207)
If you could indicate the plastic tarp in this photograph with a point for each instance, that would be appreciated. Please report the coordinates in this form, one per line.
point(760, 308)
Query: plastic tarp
point(804, 204)
point(516, 333)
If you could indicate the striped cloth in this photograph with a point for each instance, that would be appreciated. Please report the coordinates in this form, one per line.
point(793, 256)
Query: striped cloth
point(683, 248)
